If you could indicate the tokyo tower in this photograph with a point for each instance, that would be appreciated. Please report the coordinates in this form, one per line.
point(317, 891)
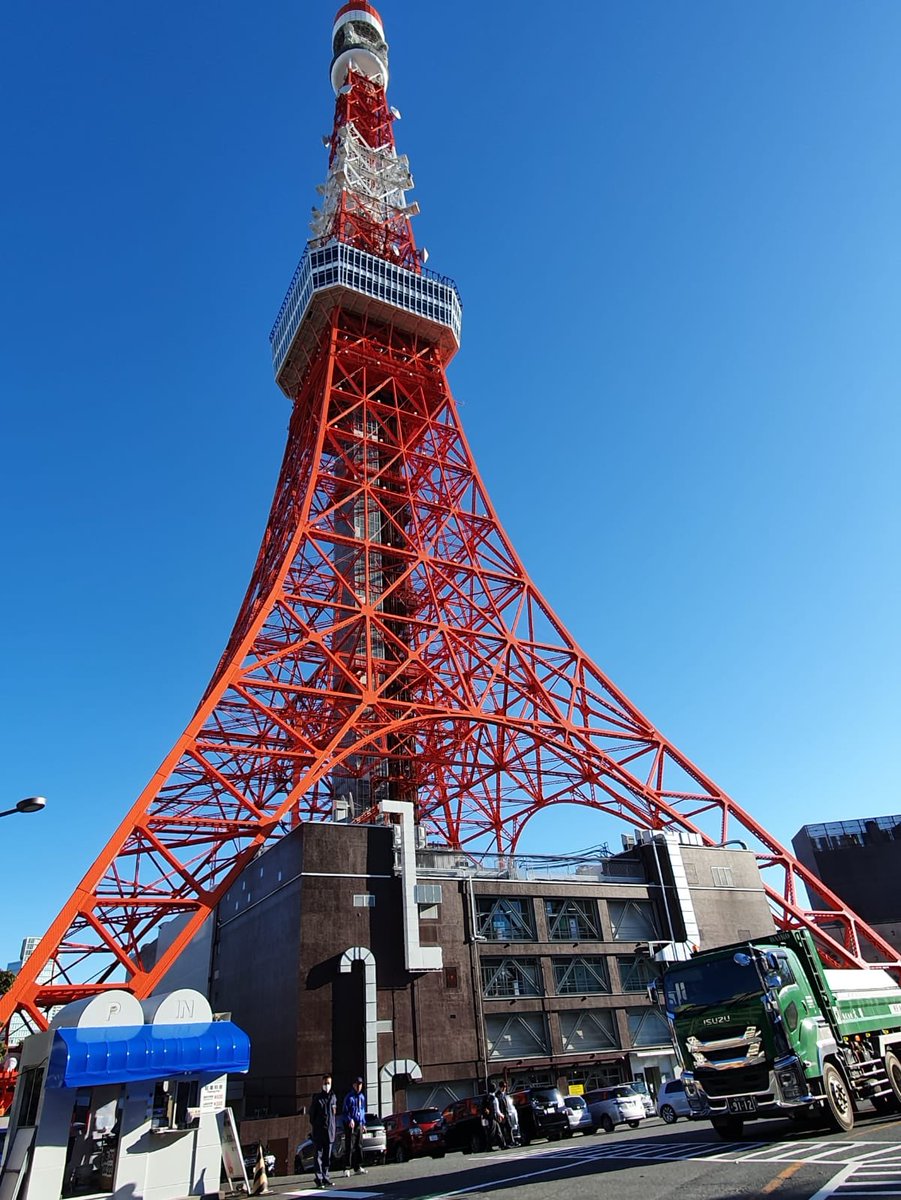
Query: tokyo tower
point(391, 645)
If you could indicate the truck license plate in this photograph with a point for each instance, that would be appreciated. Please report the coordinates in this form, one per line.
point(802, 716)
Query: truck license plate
point(743, 1104)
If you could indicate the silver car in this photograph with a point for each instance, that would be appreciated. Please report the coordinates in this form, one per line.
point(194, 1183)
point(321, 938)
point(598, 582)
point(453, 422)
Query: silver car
point(617, 1105)
point(580, 1119)
point(672, 1103)
point(373, 1144)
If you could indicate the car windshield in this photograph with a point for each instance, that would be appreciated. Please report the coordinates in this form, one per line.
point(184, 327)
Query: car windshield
point(422, 1116)
point(639, 1085)
point(575, 1101)
point(701, 985)
point(373, 1122)
point(546, 1096)
point(622, 1092)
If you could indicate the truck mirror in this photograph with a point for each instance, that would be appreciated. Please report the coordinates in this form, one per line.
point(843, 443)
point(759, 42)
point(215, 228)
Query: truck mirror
point(743, 960)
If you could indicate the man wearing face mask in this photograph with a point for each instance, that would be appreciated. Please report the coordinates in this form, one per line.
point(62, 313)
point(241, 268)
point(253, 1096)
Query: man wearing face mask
point(323, 1107)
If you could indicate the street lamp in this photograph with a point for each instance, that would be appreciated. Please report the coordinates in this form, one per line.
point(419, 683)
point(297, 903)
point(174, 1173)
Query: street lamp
point(29, 805)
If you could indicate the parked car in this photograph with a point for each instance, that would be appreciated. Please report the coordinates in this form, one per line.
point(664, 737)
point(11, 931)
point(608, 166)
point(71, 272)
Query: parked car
point(580, 1118)
point(541, 1113)
point(414, 1134)
point(373, 1144)
point(672, 1103)
point(251, 1154)
point(617, 1105)
point(462, 1126)
point(639, 1085)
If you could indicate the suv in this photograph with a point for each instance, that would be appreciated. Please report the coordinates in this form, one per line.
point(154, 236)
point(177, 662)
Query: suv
point(672, 1103)
point(612, 1106)
point(414, 1134)
point(541, 1113)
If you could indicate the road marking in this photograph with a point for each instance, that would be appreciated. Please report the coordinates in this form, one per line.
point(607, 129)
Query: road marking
point(776, 1183)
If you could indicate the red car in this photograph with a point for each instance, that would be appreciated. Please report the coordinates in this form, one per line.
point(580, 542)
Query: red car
point(414, 1134)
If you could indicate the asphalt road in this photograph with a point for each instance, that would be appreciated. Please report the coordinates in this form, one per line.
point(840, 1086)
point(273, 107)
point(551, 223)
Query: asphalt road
point(686, 1161)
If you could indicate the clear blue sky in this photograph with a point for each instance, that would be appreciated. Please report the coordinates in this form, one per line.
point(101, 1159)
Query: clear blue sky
point(677, 232)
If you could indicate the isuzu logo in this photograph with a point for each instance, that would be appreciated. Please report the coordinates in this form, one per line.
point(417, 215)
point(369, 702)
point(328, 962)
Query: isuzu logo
point(716, 1020)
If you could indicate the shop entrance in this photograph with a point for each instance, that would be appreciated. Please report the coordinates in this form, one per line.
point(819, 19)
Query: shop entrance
point(93, 1145)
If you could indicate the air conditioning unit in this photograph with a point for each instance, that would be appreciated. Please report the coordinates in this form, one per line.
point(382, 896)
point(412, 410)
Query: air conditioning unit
point(628, 841)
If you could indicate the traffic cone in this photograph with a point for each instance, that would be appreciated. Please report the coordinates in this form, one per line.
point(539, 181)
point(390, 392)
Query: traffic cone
point(260, 1178)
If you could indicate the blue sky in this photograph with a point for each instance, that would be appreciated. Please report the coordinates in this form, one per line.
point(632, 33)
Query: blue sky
point(675, 227)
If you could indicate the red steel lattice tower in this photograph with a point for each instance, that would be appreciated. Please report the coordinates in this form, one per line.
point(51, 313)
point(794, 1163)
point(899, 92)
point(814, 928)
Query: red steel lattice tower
point(391, 645)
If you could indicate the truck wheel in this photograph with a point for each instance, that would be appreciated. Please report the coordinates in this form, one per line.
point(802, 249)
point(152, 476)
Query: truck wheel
point(893, 1071)
point(729, 1128)
point(669, 1114)
point(839, 1108)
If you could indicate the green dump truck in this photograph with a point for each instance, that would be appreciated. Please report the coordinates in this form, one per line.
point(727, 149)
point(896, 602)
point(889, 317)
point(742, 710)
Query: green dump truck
point(764, 1029)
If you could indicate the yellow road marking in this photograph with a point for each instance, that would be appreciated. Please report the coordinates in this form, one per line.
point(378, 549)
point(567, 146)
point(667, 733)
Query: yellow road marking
point(781, 1178)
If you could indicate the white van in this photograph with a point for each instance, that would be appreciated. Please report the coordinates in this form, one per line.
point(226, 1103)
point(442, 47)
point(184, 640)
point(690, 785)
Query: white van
point(617, 1105)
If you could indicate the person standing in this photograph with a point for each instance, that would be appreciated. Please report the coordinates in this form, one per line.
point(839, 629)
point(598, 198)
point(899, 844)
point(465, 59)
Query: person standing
point(491, 1122)
point(354, 1113)
point(323, 1111)
point(508, 1109)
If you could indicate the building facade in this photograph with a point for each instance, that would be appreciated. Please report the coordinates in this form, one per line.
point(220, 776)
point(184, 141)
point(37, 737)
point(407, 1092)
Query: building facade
point(860, 861)
point(532, 970)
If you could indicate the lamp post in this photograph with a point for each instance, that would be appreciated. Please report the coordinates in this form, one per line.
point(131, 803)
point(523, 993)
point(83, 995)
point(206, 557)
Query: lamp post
point(30, 804)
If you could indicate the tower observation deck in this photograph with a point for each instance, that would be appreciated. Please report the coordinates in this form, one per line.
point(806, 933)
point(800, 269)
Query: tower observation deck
point(391, 648)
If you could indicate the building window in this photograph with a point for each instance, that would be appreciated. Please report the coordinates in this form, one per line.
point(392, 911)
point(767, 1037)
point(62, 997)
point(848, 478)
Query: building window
point(633, 920)
point(505, 919)
point(522, 1036)
point(572, 920)
point(451, 978)
point(364, 900)
point(506, 978)
point(588, 1031)
point(647, 1027)
point(636, 973)
point(722, 877)
point(582, 976)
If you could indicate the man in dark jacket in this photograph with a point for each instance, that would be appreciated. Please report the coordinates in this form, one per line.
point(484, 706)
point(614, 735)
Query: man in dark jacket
point(323, 1107)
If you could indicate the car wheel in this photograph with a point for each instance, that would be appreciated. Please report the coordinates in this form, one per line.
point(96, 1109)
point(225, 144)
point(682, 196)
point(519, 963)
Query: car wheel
point(438, 1153)
point(839, 1106)
point(669, 1114)
point(399, 1153)
point(298, 1166)
point(634, 1124)
point(475, 1142)
point(606, 1124)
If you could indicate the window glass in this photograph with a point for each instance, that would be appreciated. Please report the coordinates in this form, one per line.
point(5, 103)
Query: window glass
point(591, 1030)
point(633, 920)
point(505, 919)
point(581, 976)
point(647, 1027)
point(517, 1036)
point(572, 920)
point(506, 978)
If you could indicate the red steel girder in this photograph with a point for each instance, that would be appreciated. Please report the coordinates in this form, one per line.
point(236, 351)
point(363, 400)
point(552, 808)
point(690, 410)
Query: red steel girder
point(391, 634)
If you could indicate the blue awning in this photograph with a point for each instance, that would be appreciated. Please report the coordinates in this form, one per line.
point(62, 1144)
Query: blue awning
point(86, 1057)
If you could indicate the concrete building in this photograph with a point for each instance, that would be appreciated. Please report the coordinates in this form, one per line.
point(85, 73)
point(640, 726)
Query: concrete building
point(860, 861)
point(533, 969)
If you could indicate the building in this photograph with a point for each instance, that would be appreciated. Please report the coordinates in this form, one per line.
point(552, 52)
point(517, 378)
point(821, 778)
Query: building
point(533, 969)
point(860, 861)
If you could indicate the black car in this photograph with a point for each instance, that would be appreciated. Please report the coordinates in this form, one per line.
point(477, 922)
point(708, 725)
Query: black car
point(462, 1124)
point(542, 1113)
